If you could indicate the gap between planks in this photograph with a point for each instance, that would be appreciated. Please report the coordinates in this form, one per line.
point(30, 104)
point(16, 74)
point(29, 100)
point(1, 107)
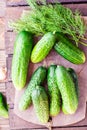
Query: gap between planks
point(23, 2)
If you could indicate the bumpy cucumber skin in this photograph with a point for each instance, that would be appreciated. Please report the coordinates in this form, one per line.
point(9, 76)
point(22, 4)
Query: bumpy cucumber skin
point(67, 90)
point(68, 50)
point(3, 109)
point(54, 93)
point(43, 47)
point(21, 57)
point(37, 78)
point(75, 79)
point(41, 104)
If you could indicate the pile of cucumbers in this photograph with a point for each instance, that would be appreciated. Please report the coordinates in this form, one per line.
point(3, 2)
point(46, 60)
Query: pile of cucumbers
point(62, 82)
point(24, 52)
point(62, 92)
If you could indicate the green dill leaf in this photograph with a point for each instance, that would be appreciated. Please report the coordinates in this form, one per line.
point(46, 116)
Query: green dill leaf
point(50, 18)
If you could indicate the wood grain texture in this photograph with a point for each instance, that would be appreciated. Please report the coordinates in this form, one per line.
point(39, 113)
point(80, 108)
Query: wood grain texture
point(4, 123)
point(2, 59)
point(2, 8)
point(10, 39)
point(16, 2)
point(12, 13)
point(2, 87)
point(2, 33)
point(10, 93)
point(9, 64)
point(5, 128)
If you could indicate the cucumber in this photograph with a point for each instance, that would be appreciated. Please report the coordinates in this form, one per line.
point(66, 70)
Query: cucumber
point(43, 47)
point(37, 78)
point(53, 91)
point(68, 50)
point(21, 57)
point(41, 104)
point(67, 89)
point(75, 79)
point(3, 107)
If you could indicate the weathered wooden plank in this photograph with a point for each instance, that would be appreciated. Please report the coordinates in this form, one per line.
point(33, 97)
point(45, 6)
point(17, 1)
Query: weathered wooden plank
point(2, 58)
point(2, 33)
point(9, 64)
point(2, 87)
point(10, 39)
point(5, 128)
point(23, 2)
point(12, 13)
point(3, 69)
point(2, 7)
point(10, 93)
point(16, 2)
point(4, 123)
point(17, 123)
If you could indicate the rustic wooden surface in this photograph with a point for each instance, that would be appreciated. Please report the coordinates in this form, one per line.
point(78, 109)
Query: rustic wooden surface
point(13, 9)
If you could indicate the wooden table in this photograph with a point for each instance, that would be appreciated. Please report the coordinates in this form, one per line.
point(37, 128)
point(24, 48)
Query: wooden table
point(11, 9)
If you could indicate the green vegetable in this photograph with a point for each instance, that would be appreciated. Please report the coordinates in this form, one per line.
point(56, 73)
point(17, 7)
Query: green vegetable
point(41, 105)
point(68, 50)
point(21, 57)
point(43, 47)
point(67, 89)
point(37, 78)
point(51, 18)
point(54, 93)
point(3, 107)
point(75, 79)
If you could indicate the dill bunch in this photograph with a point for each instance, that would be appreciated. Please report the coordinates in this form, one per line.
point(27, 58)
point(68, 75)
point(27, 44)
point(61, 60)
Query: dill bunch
point(50, 18)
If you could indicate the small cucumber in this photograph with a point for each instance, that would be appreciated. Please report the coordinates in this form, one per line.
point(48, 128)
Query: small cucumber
point(37, 78)
point(68, 50)
point(67, 89)
point(21, 57)
point(3, 107)
point(75, 79)
point(54, 93)
point(41, 104)
point(43, 47)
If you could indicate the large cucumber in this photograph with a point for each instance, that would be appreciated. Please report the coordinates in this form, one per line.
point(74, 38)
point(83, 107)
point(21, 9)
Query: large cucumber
point(75, 79)
point(54, 93)
point(41, 105)
point(43, 47)
point(37, 78)
point(21, 57)
point(67, 89)
point(3, 107)
point(68, 50)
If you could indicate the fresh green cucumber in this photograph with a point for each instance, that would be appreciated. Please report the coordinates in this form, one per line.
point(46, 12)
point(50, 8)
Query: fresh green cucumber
point(68, 50)
point(41, 104)
point(75, 79)
point(37, 78)
point(43, 47)
point(3, 109)
point(21, 57)
point(54, 93)
point(67, 89)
